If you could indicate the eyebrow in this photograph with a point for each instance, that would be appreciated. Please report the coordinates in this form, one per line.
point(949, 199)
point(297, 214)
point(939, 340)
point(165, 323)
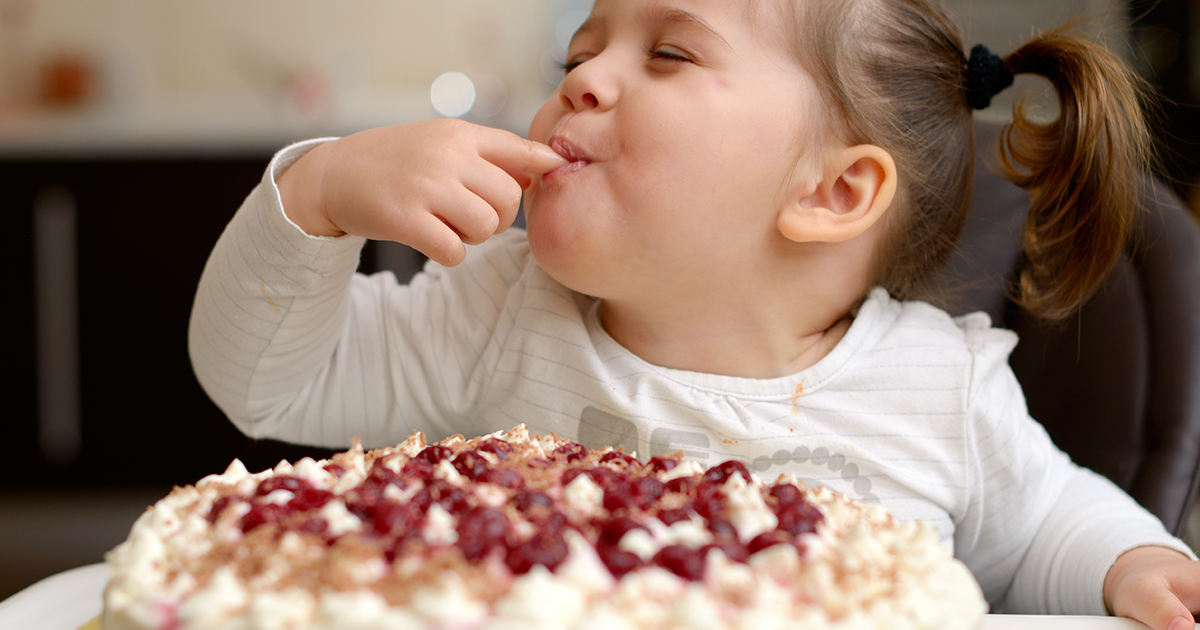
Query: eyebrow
point(671, 15)
point(663, 15)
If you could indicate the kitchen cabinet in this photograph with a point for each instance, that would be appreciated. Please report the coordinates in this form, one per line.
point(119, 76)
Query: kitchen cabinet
point(143, 230)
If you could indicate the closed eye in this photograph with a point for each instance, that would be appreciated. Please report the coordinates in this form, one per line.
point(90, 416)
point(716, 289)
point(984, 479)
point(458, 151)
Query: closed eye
point(668, 53)
point(572, 63)
point(662, 53)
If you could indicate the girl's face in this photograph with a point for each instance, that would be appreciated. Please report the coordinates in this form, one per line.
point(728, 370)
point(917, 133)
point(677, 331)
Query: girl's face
point(684, 123)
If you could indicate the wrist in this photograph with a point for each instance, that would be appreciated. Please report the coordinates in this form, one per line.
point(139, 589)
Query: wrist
point(300, 192)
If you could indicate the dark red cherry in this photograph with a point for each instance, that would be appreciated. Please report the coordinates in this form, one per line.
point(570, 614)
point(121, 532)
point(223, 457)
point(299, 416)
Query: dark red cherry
point(418, 469)
point(548, 550)
point(570, 452)
point(434, 453)
point(709, 500)
point(686, 563)
point(337, 470)
point(499, 448)
point(786, 493)
point(623, 492)
point(396, 518)
point(570, 475)
point(798, 518)
point(658, 463)
point(364, 496)
point(733, 551)
point(552, 523)
point(682, 485)
point(768, 539)
point(617, 457)
point(470, 464)
point(619, 562)
point(620, 494)
point(612, 530)
point(383, 475)
point(480, 530)
point(262, 514)
point(649, 490)
point(603, 475)
point(503, 477)
point(722, 529)
point(310, 499)
point(527, 500)
point(721, 472)
point(674, 515)
point(313, 526)
point(450, 496)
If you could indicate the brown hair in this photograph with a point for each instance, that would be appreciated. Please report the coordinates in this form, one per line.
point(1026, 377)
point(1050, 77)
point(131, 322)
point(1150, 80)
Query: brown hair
point(893, 71)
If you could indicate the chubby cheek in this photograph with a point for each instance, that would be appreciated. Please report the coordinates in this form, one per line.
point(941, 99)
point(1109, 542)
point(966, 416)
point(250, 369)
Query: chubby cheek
point(556, 238)
point(548, 219)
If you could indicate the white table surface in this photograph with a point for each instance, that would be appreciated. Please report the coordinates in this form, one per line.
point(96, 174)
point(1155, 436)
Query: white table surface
point(69, 599)
point(63, 601)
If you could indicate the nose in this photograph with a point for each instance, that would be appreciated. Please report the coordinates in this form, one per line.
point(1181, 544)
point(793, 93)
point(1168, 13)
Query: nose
point(588, 86)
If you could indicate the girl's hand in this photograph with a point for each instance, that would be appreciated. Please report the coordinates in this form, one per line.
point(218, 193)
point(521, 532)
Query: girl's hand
point(433, 185)
point(1157, 586)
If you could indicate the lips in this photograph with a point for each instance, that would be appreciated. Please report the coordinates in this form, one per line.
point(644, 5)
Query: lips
point(577, 159)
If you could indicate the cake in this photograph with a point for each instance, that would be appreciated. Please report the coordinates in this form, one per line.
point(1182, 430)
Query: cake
point(520, 531)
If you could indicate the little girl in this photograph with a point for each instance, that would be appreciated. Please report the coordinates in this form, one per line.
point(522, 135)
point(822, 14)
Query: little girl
point(733, 208)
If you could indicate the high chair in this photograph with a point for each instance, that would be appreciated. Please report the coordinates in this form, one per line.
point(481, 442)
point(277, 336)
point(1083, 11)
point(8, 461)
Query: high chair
point(1118, 385)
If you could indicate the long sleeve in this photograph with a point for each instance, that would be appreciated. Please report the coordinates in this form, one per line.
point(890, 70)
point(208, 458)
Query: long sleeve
point(1040, 532)
point(291, 343)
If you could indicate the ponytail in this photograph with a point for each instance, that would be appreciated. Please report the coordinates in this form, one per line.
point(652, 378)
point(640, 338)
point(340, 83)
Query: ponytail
point(1081, 169)
point(897, 74)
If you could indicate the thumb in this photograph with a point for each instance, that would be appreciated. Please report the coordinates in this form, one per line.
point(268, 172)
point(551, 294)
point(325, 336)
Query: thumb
point(1161, 610)
point(518, 155)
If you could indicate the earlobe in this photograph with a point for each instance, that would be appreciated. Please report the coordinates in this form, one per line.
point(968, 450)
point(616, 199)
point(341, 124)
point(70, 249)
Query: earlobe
point(855, 190)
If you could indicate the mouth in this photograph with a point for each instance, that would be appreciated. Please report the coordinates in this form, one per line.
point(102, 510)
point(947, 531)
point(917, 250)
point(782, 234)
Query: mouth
point(577, 159)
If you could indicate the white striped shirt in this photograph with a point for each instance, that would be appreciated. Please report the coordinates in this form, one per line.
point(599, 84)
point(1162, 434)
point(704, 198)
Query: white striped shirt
point(912, 408)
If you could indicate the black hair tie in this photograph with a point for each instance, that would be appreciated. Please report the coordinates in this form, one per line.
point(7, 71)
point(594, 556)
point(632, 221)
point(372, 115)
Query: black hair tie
point(986, 77)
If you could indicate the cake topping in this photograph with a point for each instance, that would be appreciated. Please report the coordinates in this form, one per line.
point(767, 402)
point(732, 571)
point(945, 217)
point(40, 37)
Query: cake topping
point(511, 526)
point(471, 496)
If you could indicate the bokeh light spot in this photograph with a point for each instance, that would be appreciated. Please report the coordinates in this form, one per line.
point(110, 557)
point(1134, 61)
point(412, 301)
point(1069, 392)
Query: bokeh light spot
point(452, 94)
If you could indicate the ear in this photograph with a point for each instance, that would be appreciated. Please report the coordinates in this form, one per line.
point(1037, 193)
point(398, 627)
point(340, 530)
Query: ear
point(854, 191)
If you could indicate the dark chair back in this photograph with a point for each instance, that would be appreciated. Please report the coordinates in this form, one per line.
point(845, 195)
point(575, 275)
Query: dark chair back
point(1118, 385)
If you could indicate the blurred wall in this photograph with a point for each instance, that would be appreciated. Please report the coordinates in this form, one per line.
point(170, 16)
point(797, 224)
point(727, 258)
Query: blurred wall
point(183, 70)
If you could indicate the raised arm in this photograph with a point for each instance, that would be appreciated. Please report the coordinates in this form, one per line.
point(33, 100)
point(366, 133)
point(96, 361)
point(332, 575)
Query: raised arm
point(290, 343)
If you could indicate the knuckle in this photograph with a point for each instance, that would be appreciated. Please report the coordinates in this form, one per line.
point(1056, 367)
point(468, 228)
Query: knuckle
point(491, 223)
point(529, 150)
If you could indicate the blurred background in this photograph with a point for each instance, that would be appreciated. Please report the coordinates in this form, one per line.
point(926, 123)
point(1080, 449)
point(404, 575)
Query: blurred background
point(130, 131)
